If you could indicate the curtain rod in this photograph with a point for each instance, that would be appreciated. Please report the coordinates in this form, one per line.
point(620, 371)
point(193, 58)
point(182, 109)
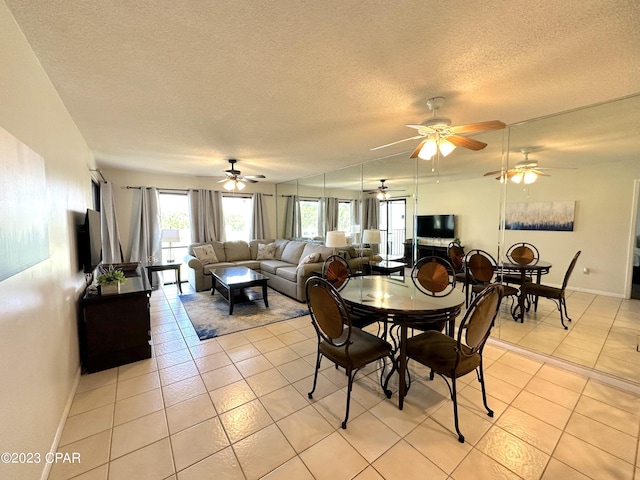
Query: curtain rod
point(186, 190)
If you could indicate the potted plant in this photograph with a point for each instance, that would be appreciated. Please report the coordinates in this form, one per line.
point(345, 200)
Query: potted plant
point(109, 281)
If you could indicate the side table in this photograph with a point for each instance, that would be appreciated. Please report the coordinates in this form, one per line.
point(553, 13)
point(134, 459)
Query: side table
point(387, 267)
point(162, 268)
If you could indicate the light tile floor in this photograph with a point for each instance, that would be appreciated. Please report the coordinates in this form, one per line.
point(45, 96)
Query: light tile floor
point(236, 407)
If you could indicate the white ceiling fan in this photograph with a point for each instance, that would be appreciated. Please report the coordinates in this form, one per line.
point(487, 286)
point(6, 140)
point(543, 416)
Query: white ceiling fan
point(525, 171)
point(235, 180)
point(438, 135)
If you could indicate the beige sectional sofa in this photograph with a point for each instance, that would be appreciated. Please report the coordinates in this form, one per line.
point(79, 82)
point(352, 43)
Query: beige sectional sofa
point(285, 271)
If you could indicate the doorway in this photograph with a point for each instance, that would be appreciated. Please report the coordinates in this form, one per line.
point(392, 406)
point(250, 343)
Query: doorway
point(393, 227)
point(635, 277)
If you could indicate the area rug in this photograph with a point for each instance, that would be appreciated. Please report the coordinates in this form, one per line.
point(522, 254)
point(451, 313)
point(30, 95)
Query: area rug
point(210, 317)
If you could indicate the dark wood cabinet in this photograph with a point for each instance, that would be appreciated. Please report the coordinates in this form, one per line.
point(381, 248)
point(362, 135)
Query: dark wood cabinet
point(115, 329)
point(423, 251)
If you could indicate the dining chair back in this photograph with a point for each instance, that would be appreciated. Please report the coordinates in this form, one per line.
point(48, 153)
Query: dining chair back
point(557, 294)
point(339, 341)
point(481, 269)
point(336, 270)
point(523, 253)
point(452, 358)
point(434, 276)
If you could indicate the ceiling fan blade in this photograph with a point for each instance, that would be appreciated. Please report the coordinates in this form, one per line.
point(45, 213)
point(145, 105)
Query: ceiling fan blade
point(492, 173)
point(478, 127)
point(542, 174)
point(465, 142)
point(418, 148)
point(254, 176)
point(248, 180)
point(395, 143)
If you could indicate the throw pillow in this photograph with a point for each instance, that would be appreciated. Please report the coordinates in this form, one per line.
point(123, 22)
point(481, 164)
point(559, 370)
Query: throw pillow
point(205, 254)
point(311, 258)
point(266, 251)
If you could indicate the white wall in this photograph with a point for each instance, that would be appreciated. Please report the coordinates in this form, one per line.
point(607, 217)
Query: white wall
point(39, 360)
point(602, 229)
point(120, 179)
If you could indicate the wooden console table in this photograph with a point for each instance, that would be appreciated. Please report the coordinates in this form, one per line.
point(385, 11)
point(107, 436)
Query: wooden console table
point(115, 329)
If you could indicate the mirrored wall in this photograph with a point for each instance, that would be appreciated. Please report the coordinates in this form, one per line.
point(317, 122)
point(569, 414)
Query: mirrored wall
point(588, 158)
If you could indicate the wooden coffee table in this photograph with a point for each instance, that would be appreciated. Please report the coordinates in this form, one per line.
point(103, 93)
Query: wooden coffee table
point(234, 284)
point(387, 267)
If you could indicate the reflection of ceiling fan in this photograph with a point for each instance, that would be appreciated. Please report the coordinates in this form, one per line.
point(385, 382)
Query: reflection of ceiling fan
point(382, 192)
point(525, 171)
point(234, 180)
point(437, 134)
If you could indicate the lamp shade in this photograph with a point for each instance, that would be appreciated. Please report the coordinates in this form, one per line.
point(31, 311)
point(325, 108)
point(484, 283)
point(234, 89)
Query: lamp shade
point(336, 239)
point(371, 236)
point(170, 236)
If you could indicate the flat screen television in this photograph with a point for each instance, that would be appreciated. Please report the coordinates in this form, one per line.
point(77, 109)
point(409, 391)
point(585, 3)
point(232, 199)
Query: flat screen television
point(436, 226)
point(90, 241)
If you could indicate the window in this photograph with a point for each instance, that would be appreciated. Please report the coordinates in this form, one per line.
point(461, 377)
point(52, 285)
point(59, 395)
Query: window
point(174, 215)
point(237, 217)
point(344, 216)
point(310, 217)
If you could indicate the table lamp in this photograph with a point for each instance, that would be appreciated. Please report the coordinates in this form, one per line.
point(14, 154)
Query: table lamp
point(370, 237)
point(169, 236)
point(335, 240)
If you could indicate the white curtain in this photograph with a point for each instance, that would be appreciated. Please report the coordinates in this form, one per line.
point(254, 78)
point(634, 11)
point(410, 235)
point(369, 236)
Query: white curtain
point(292, 220)
point(111, 247)
point(145, 228)
point(205, 211)
point(331, 213)
point(259, 218)
point(370, 213)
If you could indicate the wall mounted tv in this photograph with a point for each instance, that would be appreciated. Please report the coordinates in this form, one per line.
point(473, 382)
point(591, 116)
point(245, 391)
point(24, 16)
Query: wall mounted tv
point(436, 226)
point(90, 241)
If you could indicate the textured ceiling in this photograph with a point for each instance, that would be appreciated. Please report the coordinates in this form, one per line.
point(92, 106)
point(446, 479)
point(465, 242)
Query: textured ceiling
point(298, 87)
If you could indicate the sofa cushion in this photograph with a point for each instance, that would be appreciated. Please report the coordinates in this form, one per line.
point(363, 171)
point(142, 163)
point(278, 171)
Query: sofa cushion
point(288, 273)
point(280, 244)
point(349, 252)
point(213, 266)
point(253, 246)
point(205, 254)
point(311, 258)
point(252, 264)
point(325, 252)
point(292, 252)
point(237, 250)
point(270, 266)
point(266, 251)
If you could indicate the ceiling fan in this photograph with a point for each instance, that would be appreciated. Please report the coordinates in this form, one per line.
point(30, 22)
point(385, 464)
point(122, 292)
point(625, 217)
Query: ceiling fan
point(382, 192)
point(525, 171)
point(438, 135)
point(234, 180)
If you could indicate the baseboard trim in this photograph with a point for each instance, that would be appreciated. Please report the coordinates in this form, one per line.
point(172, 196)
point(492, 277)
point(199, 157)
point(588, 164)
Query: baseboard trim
point(63, 419)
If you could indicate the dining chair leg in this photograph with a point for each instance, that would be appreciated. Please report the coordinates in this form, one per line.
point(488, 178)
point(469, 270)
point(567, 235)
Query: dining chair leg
point(484, 391)
point(315, 375)
point(563, 305)
point(351, 374)
point(454, 398)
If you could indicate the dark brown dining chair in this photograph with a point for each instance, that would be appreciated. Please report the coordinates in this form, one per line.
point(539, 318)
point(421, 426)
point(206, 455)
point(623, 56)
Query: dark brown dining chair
point(521, 253)
point(434, 276)
point(553, 293)
point(452, 358)
point(341, 342)
point(481, 270)
point(336, 271)
point(455, 253)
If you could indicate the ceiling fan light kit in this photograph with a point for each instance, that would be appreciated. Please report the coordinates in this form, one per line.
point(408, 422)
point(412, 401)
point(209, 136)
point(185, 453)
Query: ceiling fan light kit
point(234, 180)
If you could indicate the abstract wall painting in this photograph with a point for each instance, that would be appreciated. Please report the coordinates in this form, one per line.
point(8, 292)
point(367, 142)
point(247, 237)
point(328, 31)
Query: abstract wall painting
point(24, 225)
point(555, 216)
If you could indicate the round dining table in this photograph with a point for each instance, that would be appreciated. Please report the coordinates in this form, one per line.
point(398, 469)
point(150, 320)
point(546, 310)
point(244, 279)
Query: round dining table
point(537, 269)
point(402, 303)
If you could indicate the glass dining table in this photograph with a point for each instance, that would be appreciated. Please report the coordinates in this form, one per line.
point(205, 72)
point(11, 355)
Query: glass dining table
point(403, 304)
